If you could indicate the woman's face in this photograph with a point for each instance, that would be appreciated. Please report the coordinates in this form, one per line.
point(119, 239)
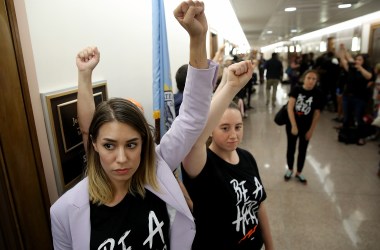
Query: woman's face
point(119, 147)
point(229, 132)
point(359, 60)
point(310, 80)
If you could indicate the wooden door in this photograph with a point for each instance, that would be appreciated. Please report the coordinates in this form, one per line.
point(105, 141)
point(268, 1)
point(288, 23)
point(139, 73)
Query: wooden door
point(24, 203)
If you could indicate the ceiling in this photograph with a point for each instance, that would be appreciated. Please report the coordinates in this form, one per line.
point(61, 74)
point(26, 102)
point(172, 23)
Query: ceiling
point(257, 17)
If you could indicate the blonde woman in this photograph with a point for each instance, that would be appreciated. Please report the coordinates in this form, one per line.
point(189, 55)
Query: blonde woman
point(130, 198)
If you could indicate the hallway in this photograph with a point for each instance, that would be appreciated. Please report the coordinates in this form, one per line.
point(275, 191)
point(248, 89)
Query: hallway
point(339, 208)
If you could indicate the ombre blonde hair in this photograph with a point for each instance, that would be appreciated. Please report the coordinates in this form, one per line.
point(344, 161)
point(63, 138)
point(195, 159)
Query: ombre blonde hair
point(124, 111)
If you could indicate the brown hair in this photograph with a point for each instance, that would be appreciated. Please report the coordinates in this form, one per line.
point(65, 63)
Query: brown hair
point(124, 111)
point(232, 105)
point(307, 72)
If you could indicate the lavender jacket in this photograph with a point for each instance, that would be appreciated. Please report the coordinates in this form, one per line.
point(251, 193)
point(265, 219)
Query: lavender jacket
point(70, 214)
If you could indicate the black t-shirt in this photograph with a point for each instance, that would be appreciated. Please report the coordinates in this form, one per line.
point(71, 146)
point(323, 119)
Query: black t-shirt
point(356, 83)
point(226, 200)
point(307, 101)
point(140, 223)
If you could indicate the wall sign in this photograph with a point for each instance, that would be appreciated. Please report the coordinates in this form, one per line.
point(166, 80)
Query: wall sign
point(65, 138)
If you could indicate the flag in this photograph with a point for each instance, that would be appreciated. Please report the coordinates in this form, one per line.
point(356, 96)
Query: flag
point(163, 101)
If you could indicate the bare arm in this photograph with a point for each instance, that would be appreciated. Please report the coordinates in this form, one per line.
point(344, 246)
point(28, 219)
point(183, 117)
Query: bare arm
point(265, 228)
point(86, 61)
point(218, 58)
point(365, 73)
point(222, 82)
point(192, 18)
point(344, 57)
point(292, 119)
point(237, 77)
point(201, 74)
point(316, 115)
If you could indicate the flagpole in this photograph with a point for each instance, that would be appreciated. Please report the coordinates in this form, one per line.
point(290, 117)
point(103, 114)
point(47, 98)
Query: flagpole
point(163, 101)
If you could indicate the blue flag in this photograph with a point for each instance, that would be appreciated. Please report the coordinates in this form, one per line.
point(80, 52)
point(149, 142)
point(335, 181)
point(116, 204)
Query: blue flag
point(163, 101)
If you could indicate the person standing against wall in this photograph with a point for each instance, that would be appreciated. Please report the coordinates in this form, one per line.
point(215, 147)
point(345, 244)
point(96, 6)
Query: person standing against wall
point(130, 197)
point(355, 94)
point(274, 75)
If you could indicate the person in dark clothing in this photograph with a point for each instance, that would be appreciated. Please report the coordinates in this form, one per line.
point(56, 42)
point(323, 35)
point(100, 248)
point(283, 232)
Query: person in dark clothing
point(261, 68)
point(180, 78)
point(293, 71)
point(251, 89)
point(355, 94)
point(305, 63)
point(274, 75)
point(304, 110)
point(311, 60)
point(328, 68)
point(223, 180)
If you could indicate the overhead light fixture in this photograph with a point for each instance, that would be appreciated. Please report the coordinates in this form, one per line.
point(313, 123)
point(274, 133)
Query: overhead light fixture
point(338, 27)
point(344, 6)
point(227, 24)
point(322, 46)
point(355, 45)
point(269, 32)
point(272, 46)
point(289, 9)
point(293, 30)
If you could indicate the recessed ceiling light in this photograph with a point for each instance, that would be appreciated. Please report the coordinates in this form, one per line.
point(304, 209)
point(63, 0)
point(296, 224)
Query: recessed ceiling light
point(269, 32)
point(293, 30)
point(290, 9)
point(344, 6)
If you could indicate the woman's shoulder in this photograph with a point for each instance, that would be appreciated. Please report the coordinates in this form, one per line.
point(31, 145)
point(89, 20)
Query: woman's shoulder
point(77, 195)
point(245, 153)
point(242, 151)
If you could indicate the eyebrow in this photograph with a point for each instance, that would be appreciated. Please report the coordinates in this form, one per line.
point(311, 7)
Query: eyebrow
point(129, 141)
point(227, 124)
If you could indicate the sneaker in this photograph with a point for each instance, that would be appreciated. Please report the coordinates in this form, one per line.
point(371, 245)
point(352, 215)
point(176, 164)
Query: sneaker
point(361, 142)
point(301, 178)
point(288, 175)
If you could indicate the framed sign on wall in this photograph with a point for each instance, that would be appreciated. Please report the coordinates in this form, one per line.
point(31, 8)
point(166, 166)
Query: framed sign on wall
point(65, 137)
point(374, 44)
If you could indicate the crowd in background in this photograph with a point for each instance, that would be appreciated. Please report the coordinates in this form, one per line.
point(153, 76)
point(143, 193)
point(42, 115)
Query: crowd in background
point(351, 91)
point(349, 83)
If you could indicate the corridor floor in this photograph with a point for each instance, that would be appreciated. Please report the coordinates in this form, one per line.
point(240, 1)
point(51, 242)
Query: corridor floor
point(339, 208)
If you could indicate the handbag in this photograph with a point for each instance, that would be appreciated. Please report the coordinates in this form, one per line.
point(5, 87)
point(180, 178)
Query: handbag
point(376, 122)
point(281, 117)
